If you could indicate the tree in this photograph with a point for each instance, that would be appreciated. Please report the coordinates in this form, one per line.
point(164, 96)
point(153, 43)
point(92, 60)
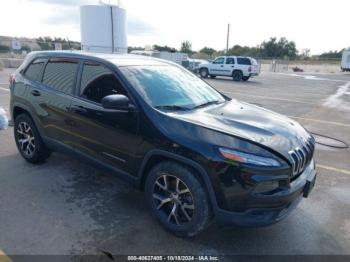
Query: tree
point(164, 48)
point(244, 51)
point(186, 47)
point(26, 48)
point(132, 48)
point(278, 49)
point(305, 53)
point(208, 51)
point(47, 43)
point(331, 55)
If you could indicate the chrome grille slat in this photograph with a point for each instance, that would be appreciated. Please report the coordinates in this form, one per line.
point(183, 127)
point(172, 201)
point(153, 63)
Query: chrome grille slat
point(301, 157)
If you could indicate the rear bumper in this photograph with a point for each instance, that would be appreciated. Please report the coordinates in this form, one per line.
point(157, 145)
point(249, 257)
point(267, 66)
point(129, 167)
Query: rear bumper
point(264, 216)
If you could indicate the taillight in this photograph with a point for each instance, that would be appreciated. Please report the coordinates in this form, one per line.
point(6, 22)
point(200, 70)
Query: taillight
point(249, 69)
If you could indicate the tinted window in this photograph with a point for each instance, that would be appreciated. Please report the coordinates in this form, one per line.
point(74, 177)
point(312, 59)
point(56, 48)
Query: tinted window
point(97, 81)
point(219, 60)
point(171, 86)
point(230, 60)
point(60, 74)
point(243, 61)
point(33, 71)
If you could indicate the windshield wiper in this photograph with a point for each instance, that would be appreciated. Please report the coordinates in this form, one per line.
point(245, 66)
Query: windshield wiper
point(172, 107)
point(207, 103)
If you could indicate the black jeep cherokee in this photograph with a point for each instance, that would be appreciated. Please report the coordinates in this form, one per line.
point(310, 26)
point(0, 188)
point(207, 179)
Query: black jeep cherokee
point(196, 153)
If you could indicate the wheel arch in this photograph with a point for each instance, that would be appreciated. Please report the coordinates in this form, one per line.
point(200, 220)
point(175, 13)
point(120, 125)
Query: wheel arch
point(156, 156)
point(19, 108)
point(235, 70)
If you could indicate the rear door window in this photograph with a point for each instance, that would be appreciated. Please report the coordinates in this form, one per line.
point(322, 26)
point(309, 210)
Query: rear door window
point(60, 74)
point(33, 71)
point(230, 61)
point(243, 61)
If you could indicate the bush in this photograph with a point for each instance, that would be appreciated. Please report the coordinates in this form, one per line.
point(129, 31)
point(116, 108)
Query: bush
point(4, 49)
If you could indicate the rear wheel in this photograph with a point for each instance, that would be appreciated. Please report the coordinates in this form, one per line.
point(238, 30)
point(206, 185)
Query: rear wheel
point(245, 78)
point(203, 72)
point(178, 199)
point(237, 75)
point(28, 140)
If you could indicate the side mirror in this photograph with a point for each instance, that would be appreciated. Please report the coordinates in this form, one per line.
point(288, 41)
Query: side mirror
point(116, 102)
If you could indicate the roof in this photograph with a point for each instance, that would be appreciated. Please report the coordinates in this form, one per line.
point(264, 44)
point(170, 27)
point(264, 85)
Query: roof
point(116, 59)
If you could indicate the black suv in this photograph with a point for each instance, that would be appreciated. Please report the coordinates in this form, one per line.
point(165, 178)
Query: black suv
point(196, 153)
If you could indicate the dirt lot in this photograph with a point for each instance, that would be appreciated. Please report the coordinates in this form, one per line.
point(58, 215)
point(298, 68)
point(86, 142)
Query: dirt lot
point(67, 207)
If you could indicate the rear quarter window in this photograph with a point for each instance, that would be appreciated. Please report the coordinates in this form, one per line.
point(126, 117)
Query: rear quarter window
point(243, 61)
point(33, 71)
point(60, 74)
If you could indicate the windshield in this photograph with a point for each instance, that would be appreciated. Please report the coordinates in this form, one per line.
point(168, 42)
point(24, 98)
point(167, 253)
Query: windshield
point(171, 87)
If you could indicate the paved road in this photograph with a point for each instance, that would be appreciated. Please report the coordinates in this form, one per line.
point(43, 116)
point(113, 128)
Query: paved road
point(67, 207)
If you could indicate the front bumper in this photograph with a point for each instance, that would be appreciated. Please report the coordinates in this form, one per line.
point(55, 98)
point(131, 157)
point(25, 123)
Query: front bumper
point(263, 216)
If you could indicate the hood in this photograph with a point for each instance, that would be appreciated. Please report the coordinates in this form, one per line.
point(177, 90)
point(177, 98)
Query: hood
point(250, 122)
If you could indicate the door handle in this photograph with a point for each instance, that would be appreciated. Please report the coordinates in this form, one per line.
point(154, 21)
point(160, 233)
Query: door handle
point(79, 109)
point(222, 66)
point(35, 93)
point(232, 66)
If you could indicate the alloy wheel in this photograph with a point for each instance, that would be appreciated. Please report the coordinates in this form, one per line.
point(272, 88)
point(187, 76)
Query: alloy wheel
point(25, 138)
point(173, 199)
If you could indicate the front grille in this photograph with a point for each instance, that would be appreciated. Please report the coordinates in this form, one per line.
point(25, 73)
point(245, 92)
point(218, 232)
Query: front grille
point(301, 157)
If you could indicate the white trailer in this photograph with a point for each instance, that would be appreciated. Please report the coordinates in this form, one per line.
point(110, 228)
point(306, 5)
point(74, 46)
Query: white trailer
point(345, 61)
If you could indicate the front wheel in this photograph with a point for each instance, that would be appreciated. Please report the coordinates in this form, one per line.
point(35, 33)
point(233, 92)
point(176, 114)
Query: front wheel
point(28, 140)
point(237, 76)
point(203, 72)
point(178, 199)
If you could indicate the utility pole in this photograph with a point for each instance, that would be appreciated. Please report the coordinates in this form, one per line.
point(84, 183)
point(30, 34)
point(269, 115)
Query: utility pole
point(228, 37)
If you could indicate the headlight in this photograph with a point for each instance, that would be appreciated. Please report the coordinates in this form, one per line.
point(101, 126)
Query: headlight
point(237, 156)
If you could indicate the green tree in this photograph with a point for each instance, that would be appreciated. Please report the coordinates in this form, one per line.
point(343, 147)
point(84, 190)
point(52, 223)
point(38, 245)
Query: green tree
point(244, 51)
point(26, 48)
point(208, 51)
point(132, 48)
point(186, 47)
point(331, 55)
point(164, 48)
point(278, 48)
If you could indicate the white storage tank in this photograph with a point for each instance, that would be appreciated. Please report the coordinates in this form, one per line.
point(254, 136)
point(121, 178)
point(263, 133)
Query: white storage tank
point(103, 29)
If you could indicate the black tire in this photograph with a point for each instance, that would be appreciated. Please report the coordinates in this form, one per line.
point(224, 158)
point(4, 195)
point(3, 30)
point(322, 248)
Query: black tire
point(245, 78)
point(212, 76)
point(195, 202)
point(34, 150)
point(237, 75)
point(204, 73)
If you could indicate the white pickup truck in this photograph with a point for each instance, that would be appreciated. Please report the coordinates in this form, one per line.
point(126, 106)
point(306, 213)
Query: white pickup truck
point(237, 67)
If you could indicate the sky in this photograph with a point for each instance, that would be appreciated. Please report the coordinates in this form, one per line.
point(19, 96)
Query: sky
point(321, 25)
